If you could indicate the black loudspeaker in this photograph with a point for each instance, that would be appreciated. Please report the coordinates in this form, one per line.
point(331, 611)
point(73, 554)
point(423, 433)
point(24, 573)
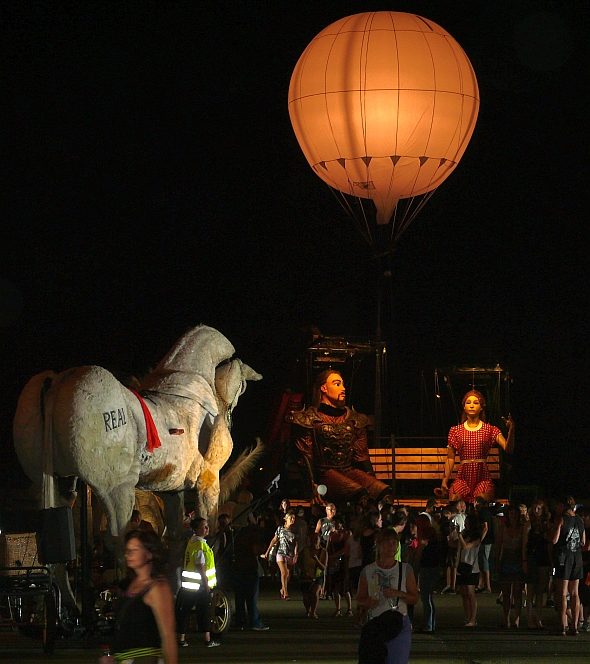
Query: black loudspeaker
point(57, 542)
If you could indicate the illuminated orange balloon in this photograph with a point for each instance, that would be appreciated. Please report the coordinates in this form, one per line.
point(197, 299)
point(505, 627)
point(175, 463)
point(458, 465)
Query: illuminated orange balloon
point(383, 105)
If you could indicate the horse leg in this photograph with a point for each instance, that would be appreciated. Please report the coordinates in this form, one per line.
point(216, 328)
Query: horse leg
point(208, 495)
point(118, 507)
point(173, 517)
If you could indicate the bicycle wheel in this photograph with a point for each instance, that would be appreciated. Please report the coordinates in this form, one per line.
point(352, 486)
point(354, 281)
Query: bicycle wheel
point(220, 611)
point(49, 625)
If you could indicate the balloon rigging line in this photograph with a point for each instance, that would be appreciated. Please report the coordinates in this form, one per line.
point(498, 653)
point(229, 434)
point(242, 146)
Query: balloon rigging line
point(345, 205)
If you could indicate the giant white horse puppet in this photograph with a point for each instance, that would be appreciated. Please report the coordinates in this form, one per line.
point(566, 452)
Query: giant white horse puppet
point(85, 423)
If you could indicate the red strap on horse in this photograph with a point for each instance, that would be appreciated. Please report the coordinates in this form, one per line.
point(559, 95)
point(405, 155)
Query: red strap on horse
point(153, 440)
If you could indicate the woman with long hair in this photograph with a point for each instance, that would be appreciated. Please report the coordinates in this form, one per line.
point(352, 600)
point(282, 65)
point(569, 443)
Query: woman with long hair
point(468, 567)
point(286, 552)
point(145, 628)
point(472, 440)
point(538, 562)
point(511, 561)
point(365, 534)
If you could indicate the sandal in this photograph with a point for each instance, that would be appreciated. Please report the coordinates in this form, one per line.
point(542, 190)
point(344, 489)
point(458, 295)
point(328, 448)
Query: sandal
point(337, 614)
point(573, 632)
point(349, 613)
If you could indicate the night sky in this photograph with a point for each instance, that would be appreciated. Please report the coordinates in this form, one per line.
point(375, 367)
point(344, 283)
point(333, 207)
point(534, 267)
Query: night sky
point(153, 182)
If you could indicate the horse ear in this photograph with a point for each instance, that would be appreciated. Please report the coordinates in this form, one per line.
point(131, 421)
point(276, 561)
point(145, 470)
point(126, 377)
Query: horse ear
point(248, 373)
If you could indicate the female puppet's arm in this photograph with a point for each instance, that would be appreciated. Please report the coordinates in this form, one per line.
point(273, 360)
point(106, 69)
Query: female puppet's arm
point(507, 444)
point(449, 465)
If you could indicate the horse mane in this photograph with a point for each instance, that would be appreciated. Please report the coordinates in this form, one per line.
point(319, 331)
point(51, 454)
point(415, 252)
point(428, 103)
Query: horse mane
point(200, 351)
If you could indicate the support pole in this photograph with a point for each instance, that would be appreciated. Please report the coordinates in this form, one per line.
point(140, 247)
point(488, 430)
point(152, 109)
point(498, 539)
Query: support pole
point(378, 397)
point(85, 554)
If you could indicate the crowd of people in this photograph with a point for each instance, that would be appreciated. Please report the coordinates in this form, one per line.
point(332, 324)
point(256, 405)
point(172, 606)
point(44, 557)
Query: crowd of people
point(387, 556)
point(366, 558)
point(540, 558)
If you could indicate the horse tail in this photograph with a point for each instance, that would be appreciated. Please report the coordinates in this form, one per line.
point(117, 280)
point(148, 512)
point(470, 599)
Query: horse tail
point(232, 479)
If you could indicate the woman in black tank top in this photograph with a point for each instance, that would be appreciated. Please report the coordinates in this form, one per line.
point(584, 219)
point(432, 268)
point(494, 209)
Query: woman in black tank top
point(145, 626)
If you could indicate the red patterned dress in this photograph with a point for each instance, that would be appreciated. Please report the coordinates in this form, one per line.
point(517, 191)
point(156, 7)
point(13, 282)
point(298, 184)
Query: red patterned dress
point(473, 479)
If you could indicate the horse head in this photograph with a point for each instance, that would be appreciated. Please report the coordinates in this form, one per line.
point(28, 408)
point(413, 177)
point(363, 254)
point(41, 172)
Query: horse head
point(231, 382)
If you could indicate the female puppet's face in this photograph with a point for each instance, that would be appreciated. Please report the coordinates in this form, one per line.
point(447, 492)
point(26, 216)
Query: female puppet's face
point(472, 406)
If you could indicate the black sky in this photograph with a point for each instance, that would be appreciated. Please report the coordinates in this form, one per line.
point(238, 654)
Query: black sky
point(154, 182)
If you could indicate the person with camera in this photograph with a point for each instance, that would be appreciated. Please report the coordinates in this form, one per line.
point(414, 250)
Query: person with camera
point(387, 587)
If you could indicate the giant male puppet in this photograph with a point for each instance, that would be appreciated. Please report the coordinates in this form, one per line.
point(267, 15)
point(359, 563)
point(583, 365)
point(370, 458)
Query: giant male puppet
point(332, 439)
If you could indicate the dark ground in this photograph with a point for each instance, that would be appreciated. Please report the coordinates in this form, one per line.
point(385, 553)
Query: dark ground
point(294, 638)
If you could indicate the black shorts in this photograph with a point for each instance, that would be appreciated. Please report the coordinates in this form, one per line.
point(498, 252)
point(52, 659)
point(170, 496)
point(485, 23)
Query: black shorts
point(468, 579)
point(572, 567)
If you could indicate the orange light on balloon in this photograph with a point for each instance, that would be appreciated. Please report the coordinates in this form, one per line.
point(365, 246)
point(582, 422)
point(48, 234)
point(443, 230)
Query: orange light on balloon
point(383, 105)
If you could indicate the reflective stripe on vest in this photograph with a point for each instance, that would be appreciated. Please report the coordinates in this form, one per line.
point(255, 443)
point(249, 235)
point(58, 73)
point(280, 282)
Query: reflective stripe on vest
point(191, 579)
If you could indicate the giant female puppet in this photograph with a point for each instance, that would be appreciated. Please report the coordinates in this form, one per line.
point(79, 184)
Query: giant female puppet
point(472, 440)
point(332, 439)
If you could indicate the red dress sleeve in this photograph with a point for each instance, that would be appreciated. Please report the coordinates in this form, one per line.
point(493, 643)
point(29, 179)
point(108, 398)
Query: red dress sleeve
point(454, 439)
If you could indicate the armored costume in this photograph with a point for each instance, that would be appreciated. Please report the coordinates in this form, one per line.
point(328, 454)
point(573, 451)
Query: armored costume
point(333, 442)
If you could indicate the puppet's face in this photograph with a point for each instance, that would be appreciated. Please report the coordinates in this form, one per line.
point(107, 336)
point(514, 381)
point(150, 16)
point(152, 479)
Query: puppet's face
point(333, 391)
point(472, 406)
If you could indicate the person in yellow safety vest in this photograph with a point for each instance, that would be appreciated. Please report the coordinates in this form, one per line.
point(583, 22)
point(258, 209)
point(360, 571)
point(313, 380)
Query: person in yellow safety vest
point(198, 578)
